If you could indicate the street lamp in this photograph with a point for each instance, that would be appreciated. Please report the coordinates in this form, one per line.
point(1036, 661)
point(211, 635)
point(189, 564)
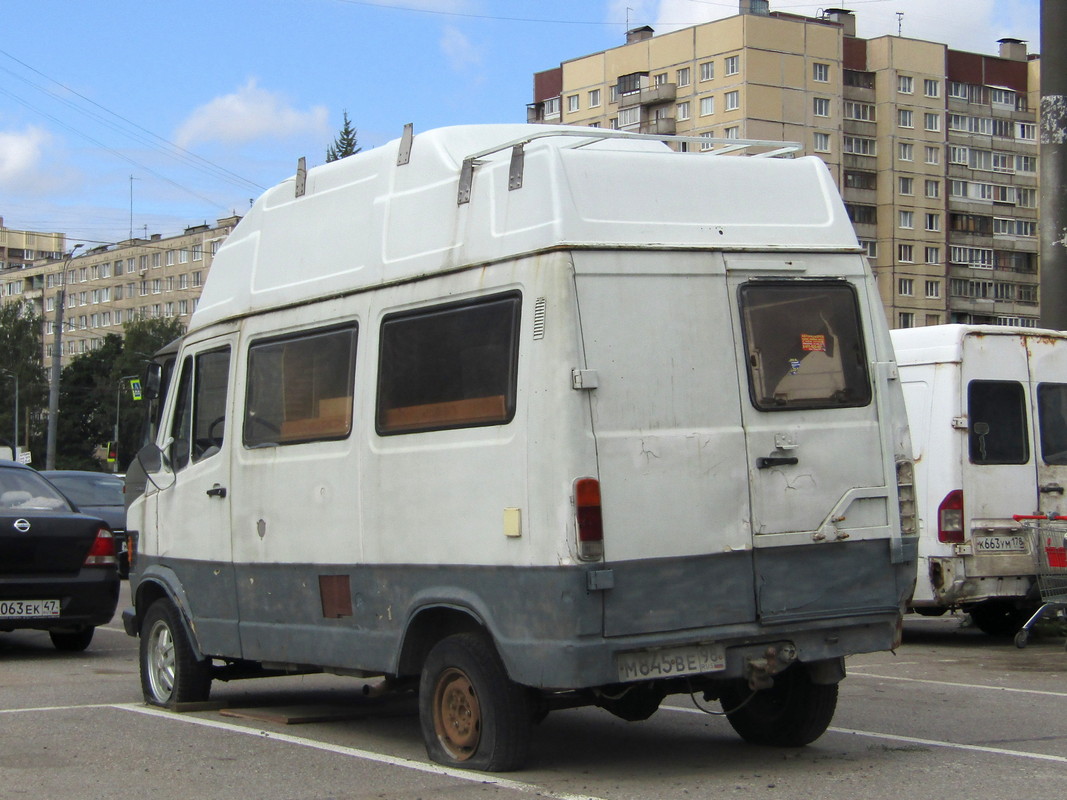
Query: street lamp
point(15, 426)
point(57, 346)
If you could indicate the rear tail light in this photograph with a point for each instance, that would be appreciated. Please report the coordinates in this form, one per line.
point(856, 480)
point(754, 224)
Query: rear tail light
point(588, 520)
point(950, 518)
point(102, 553)
point(906, 497)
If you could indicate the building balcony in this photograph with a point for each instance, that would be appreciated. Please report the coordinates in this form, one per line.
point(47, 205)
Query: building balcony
point(653, 95)
point(661, 126)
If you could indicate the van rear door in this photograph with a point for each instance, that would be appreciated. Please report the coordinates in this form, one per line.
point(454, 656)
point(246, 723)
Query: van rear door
point(820, 481)
point(1048, 377)
point(670, 448)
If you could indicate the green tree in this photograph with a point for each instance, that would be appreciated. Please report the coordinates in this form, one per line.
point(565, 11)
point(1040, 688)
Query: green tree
point(20, 355)
point(345, 143)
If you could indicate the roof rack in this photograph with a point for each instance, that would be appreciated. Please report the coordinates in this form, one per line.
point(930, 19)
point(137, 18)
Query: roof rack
point(719, 146)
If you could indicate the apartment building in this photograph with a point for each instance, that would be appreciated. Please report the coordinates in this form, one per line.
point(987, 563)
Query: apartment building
point(20, 249)
point(109, 285)
point(934, 150)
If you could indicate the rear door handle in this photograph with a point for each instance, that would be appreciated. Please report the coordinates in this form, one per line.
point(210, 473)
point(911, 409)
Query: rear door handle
point(216, 491)
point(1051, 488)
point(776, 461)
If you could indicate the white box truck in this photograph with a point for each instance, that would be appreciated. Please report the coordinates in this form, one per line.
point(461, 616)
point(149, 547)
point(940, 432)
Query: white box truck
point(987, 406)
point(525, 418)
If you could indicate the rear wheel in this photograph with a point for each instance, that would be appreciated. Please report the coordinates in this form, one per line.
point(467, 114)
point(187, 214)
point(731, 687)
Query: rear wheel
point(71, 642)
point(792, 713)
point(170, 671)
point(472, 714)
point(997, 618)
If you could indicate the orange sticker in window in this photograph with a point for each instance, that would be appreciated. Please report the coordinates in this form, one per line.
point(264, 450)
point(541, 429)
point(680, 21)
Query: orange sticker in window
point(813, 343)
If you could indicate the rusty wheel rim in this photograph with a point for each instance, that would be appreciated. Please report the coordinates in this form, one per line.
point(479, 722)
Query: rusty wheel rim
point(457, 716)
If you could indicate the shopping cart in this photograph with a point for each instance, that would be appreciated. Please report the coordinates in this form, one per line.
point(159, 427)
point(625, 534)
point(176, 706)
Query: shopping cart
point(1048, 544)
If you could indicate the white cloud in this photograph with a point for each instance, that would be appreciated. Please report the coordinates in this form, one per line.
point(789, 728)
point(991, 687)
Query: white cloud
point(21, 153)
point(458, 50)
point(249, 114)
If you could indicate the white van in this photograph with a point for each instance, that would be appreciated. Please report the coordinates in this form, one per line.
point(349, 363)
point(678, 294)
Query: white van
point(528, 418)
point(988, 411)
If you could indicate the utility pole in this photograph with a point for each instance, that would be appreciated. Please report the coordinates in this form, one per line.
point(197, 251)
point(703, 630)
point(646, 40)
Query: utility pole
point(57, 352)
point(1053, 165)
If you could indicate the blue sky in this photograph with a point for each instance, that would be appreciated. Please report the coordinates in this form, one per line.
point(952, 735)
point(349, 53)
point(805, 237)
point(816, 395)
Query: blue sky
point(177, 113)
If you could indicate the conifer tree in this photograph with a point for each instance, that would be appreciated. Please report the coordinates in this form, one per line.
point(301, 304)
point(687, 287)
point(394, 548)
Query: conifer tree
point(345, 143)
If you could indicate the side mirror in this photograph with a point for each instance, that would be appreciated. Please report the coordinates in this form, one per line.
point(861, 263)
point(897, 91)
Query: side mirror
point(149, 461)
point(153, 379)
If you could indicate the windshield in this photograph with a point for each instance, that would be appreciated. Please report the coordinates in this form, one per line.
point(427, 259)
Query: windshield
point(90, 490)
point(24, 489)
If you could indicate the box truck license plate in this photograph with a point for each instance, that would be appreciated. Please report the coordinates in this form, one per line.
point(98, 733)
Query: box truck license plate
point(27, 609)
point(671, 661)
point(1015, 543)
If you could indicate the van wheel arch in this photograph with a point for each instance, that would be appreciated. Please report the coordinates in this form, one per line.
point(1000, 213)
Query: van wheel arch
point(428, 627)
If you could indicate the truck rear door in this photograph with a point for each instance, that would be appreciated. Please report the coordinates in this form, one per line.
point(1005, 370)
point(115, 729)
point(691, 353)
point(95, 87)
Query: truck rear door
point(1048, 379)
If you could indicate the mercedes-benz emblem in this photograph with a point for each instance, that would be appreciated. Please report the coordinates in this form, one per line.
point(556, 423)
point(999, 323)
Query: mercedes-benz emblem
point(22, 525)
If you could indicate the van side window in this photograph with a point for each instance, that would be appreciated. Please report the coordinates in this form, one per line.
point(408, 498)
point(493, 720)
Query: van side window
point(300, 388)
point(200, 408)
point(804, 345)
point(997, 413)
point(1052, 418)
point(451, 366)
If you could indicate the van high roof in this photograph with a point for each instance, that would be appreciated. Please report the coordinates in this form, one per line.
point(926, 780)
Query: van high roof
point(471, 195)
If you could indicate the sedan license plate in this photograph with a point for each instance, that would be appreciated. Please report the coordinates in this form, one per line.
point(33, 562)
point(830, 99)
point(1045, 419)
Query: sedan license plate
point(671, 661)
point(28, 609)
point(1014, 543)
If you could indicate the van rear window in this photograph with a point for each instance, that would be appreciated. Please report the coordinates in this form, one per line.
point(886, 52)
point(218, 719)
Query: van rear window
point(451, 366)
point(1052, 418)
point(300, 388)
point(804, 345)
point(998, 429)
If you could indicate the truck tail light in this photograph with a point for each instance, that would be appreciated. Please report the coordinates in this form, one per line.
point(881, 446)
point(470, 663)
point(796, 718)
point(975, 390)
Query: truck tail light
point(588, 520)
point(906, 497)
point(950, 518)
point(102, 553)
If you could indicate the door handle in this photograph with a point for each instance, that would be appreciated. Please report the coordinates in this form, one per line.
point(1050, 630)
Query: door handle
point(216, 491)
point(1051, 488)
point(776, 461)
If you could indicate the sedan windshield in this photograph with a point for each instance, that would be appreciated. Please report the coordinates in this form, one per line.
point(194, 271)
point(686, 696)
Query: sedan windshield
point(23, 489)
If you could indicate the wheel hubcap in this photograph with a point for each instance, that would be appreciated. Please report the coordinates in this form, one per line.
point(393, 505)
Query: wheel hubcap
point(457, 716)
point(161, 655)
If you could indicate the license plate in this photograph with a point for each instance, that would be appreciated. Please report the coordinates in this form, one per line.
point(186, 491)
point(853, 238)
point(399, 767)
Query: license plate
point(28, 609)
point(671, 661)
point(1014, 543)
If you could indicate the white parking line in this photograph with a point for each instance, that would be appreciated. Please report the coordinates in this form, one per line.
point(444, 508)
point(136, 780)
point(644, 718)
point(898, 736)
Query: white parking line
point(957, 685)
point(892, 737)
point(366, 755)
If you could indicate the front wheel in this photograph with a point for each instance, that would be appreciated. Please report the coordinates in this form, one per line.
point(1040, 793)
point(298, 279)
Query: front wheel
point(792, 713)
point(472, 715)
point(170, 671)
point(72, 641)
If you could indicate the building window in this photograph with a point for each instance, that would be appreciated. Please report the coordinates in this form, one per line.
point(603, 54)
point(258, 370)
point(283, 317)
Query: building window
point(684, 76)
point(906, 219)
point(594, 98)
point(1026, 164)
point(170, 253)
point(707, 145)
point(933, 222)
point(821, 142)
point(156, 260)
point(1002, 97)
point(660, 79)
point(821, 106)
point(933, 289)
point(572, 104)
point(1026, 198)
point(733, 65)
point(906, 319)
point(198, 279)
point(931, 87)
point(1026, 130)
point(932, 154)
point(707, 106)
point(905, 254)
point(933, 255)
point(551, 110)
point(933, 188)
point(870, 248)
point(733, 100)
point(932, 122)
point(905, 84)
point(905, 118)
point(628, 117)
point(707, 70)
point(906, 151)
point(732, 133)
point(860, 180)
point(683, 110)
point(820, 72)
point(906, 185)
point(863, 112)
point(861, 214)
